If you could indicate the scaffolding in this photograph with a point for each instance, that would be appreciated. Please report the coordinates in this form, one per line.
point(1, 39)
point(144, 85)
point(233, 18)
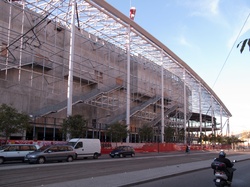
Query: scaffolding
point(34, 66)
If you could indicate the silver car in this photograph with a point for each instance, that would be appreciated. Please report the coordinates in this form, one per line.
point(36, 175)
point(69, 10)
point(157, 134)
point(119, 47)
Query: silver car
point(51, 153)
point(15, 152)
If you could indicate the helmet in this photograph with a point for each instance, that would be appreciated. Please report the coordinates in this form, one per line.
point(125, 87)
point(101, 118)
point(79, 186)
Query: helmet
point(222, 154)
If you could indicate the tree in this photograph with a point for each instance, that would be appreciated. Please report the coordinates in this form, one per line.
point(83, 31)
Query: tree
point(146, 133)
point(11, 121)
point(201, 138)
point(233, 141)
point(243, 44)
point(205, 138)
point(220, 139)
point(245, 135)
point(180, 135)
point(117, 132)
point(212, 138)
point(169, 133)
point(75, 126)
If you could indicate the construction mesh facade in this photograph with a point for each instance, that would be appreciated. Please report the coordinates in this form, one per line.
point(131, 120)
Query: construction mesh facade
point(35, 44)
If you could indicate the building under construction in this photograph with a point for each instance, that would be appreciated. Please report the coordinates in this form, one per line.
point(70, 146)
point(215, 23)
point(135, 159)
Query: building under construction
point(62, 58)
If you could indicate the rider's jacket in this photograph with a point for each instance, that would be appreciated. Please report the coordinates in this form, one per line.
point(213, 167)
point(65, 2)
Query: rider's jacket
point(226, 161)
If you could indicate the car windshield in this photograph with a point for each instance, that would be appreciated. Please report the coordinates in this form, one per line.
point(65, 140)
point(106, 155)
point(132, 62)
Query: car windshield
point(119, 148)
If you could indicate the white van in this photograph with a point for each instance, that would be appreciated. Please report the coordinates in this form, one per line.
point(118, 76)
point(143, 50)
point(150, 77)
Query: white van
point(13, 152)
point(86, 147)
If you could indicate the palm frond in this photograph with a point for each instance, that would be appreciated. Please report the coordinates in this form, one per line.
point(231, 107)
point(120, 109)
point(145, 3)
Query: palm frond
point(243, 44)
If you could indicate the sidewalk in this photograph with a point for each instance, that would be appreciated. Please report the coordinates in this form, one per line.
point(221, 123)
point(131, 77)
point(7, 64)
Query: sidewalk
point(129, 178)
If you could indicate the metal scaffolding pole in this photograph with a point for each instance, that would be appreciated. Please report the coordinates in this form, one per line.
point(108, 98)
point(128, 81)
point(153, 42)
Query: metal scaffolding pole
point(162, 100)
point(212, 116)
point(185, 105)
point(221, 120)
point(128, 86)
point(200, 114)
point(132, 16)
point(71, 61)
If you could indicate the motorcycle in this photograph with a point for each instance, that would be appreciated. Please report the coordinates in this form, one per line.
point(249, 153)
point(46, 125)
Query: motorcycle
point(220, 173)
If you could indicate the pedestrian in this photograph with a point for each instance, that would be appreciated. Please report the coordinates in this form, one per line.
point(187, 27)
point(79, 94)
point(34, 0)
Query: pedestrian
point(187, 149)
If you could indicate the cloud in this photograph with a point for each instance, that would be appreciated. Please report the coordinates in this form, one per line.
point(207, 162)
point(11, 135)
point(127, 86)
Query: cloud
point(204, 8)
point(183, 41)
point(229, 16)
point(214, 7)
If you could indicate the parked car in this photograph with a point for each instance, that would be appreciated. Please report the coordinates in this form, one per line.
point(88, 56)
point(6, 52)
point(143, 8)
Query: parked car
point(51, 153)
point(122, 151)
point(15, 152)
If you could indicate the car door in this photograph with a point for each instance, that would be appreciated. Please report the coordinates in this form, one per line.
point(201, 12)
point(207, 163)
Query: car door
point(51, 153)
point(131, 151)
point(79, 149)
point(123, 150)
point(12, 153)
point(127, 151)
point(62, 152)
point(25, 149)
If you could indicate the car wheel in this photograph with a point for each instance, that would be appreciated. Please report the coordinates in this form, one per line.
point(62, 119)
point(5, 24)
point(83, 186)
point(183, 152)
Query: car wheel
point(133, 154)
point(112, 156)
point(41, 160)
point(1, 160)
point(95, 156)
point(121, 155)
point(69, 159)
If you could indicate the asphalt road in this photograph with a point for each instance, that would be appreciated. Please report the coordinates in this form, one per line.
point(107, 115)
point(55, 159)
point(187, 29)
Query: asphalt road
point(203, 178)
point(25, 175)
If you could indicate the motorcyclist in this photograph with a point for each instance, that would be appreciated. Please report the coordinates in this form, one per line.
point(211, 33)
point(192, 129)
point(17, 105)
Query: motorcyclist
point(228, 163)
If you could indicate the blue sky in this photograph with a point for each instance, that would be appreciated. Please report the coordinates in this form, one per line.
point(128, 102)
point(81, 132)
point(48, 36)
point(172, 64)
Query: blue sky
point(203, 33)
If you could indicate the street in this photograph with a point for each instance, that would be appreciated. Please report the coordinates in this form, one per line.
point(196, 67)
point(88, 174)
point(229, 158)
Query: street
point(24, 174)
point(203, 178)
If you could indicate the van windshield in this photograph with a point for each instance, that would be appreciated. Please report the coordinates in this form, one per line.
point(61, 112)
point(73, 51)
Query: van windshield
point(71, 143)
